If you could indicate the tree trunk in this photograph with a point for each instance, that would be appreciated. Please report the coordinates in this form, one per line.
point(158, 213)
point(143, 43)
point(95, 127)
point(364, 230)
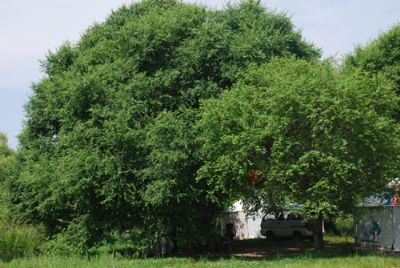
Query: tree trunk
point(318, 233)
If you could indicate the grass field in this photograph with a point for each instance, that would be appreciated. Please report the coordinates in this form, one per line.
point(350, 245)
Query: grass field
point(251, 253)
point(107, 261)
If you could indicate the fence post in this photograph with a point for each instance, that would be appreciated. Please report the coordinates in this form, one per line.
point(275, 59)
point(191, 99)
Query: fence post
point(392, 229)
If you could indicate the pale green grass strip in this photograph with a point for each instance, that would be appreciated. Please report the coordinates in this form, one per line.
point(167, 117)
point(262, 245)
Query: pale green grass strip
point(301, 262)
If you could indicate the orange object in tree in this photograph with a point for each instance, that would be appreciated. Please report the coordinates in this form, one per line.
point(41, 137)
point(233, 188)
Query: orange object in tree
point(395, 200)
point(253, 176)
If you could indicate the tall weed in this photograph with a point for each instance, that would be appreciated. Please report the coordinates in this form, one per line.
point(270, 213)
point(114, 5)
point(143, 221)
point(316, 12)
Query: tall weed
point(19, 241)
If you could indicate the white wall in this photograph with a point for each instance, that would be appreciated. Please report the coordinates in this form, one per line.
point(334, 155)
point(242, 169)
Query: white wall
point(245, 227)
point(378, 227)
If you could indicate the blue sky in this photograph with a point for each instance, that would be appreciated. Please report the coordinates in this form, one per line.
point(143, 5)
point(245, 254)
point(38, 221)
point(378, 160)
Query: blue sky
point(29, 29)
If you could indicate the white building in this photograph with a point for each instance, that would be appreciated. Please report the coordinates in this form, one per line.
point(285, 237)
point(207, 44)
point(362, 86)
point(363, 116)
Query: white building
point(245, 227)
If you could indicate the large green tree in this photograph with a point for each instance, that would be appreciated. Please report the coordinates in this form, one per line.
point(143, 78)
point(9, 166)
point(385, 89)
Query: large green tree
point(314, 136)
point(108, 149)
point(381, 55)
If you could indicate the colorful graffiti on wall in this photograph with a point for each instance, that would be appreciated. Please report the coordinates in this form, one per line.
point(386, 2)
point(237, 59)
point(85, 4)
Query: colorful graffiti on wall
point(370, 231)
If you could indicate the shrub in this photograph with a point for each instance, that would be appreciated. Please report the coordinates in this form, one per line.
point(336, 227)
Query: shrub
point(19, 241)
point(344, 224)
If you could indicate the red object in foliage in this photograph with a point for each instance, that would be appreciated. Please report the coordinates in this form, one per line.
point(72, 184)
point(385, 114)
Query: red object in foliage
point(253, 176)
point(395, 200)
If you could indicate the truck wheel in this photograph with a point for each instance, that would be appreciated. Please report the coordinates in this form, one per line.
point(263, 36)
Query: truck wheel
point(269, 236)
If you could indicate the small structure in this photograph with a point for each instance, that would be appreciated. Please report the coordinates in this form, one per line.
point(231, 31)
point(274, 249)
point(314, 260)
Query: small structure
point(377, 227)
point(377, 222)
point(244, 226)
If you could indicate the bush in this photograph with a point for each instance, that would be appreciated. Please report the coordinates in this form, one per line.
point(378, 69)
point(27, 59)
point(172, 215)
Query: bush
point(344, 225)
point(67, 244)
point(19, 241)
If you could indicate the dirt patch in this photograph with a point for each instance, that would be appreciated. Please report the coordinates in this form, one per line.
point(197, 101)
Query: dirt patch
point(262, 249)
point(270, 249)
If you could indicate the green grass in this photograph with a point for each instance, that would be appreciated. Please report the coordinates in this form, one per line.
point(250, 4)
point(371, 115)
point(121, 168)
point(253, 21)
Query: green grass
point(260, 253)
point(108, 261)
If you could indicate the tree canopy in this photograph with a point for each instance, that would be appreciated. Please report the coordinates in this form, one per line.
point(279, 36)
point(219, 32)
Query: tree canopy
point(6, 156)
point(314, 136)
point(381, 55)
point(6, 170)
point(108, 151)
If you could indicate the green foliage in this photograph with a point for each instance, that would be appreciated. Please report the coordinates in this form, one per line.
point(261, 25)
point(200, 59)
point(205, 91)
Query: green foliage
point(380, 55)
point(344, 224)
point(108, 148)
point(18, 241)
point(7, 162)
point(6, 158)
point(318, 137)
point(15, 240)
